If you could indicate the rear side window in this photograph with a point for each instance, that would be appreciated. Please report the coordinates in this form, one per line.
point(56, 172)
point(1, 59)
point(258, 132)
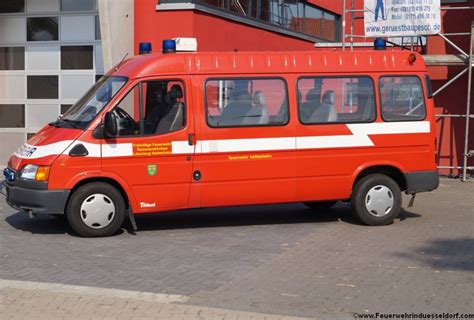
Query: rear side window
point(336, 100)
point(429, 89)
point(246, 102)
point(401, 98)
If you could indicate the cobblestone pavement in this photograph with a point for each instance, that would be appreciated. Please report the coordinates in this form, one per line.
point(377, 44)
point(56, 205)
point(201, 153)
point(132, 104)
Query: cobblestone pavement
point(280, 259)
point(36, 300)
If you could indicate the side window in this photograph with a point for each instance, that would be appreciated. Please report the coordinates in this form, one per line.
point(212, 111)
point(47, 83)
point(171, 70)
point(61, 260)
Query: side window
point(429, 88)
point(246, 102)
point(162, 109)
point(336, 100)
point(164, 106)
point(402, 99)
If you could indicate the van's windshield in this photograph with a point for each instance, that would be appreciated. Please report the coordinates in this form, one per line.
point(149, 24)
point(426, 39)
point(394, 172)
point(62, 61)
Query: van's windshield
point(91, 104)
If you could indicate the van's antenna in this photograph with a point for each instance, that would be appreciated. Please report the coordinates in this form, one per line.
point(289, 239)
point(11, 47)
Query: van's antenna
point(121, 61)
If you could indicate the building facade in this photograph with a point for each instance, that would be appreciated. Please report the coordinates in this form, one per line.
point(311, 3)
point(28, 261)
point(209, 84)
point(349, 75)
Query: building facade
point(50, 54)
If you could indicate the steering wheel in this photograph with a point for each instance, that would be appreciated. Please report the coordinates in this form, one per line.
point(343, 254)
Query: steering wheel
point(126, 123)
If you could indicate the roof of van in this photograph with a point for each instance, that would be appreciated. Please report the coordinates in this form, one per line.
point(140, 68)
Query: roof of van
point(269, 63)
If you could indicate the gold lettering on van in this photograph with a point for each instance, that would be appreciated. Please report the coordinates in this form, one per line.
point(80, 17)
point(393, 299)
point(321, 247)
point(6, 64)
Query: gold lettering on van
point(250, 157)
point(151, 149)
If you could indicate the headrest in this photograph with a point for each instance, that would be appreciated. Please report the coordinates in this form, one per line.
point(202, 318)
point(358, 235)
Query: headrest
point(362, 98)
point(175, 92)
point(313, 95)
point(329, 97)
point(243, 97)
point(259, 99)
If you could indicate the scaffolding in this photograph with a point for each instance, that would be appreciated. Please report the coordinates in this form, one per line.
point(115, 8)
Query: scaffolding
point(462, 58)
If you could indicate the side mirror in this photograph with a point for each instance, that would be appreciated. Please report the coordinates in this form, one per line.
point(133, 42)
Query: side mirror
point(110, 125)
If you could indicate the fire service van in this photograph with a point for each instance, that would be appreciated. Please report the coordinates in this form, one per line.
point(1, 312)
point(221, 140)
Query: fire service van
point(178, 130)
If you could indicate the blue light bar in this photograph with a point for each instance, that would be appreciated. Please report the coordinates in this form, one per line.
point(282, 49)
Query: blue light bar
point(9, 174)
point(144, 47)
point(380, 44)
point(169, 46)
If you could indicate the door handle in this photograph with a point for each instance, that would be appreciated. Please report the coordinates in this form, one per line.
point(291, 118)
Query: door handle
point(191, 139)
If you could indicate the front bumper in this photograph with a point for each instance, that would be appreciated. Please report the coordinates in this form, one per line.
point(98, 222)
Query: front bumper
point(33, 200)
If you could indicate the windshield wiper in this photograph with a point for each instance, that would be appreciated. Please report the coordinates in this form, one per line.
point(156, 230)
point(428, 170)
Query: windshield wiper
point(65, 123)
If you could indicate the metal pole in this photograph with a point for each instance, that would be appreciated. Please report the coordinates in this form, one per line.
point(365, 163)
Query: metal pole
point(450, 81)
point(449, 34)
point(453, 116)
point(457, 8)
point(454, 167)
point(343, 25)
point(468, 108)
point(352, 24)
point(453, 45)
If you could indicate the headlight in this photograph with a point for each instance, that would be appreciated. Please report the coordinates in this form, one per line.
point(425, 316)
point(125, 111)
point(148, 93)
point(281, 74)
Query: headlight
point(29, 172)
point(34, 172)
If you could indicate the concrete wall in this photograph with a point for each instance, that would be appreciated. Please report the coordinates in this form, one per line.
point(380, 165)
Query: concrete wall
point(117, 25)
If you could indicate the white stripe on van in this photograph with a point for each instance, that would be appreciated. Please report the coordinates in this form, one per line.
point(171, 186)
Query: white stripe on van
point(117, 150)
point(241, 145)
point(389, 127)
point(181, 147)
point(345, 141)
point(359, 138)
point(27, 151)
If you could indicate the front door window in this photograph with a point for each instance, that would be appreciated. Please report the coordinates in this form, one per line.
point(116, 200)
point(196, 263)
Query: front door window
point(159, 109)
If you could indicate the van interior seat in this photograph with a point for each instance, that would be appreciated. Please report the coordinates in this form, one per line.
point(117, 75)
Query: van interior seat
point(258, 114)
point(327, 111)
point(235, 111)
point(365, 110)
point(154, 107)
point(313, 102)
point(173, 118)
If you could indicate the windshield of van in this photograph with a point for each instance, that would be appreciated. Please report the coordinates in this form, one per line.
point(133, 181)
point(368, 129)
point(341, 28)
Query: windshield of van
point(91, 104)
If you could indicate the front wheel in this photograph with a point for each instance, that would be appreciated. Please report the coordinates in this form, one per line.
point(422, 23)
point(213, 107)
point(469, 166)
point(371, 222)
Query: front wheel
point(96, 210)
point(376, 200)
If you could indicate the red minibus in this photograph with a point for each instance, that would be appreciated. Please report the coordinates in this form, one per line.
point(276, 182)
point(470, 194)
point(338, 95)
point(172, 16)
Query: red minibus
point(163, 132)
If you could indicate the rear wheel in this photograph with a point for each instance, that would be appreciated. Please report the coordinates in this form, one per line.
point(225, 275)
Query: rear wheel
point(320, 205)
point(96, 210)
point(376, 200)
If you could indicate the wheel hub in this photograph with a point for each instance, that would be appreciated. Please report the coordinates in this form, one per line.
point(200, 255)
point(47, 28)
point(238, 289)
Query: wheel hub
point(379, 201)
point(97, 211)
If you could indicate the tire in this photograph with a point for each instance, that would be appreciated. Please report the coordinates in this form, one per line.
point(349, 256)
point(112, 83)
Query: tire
point(376, 200)
point(96, 210)
point(320, 205)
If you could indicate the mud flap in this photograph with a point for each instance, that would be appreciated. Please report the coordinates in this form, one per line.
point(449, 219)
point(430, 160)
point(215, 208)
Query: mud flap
point(132, 220)
point(412, 200)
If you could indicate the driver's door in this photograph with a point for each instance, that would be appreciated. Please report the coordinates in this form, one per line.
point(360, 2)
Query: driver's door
point(151, 152)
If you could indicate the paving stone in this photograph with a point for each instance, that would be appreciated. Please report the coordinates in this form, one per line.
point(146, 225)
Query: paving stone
point(279, 259)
